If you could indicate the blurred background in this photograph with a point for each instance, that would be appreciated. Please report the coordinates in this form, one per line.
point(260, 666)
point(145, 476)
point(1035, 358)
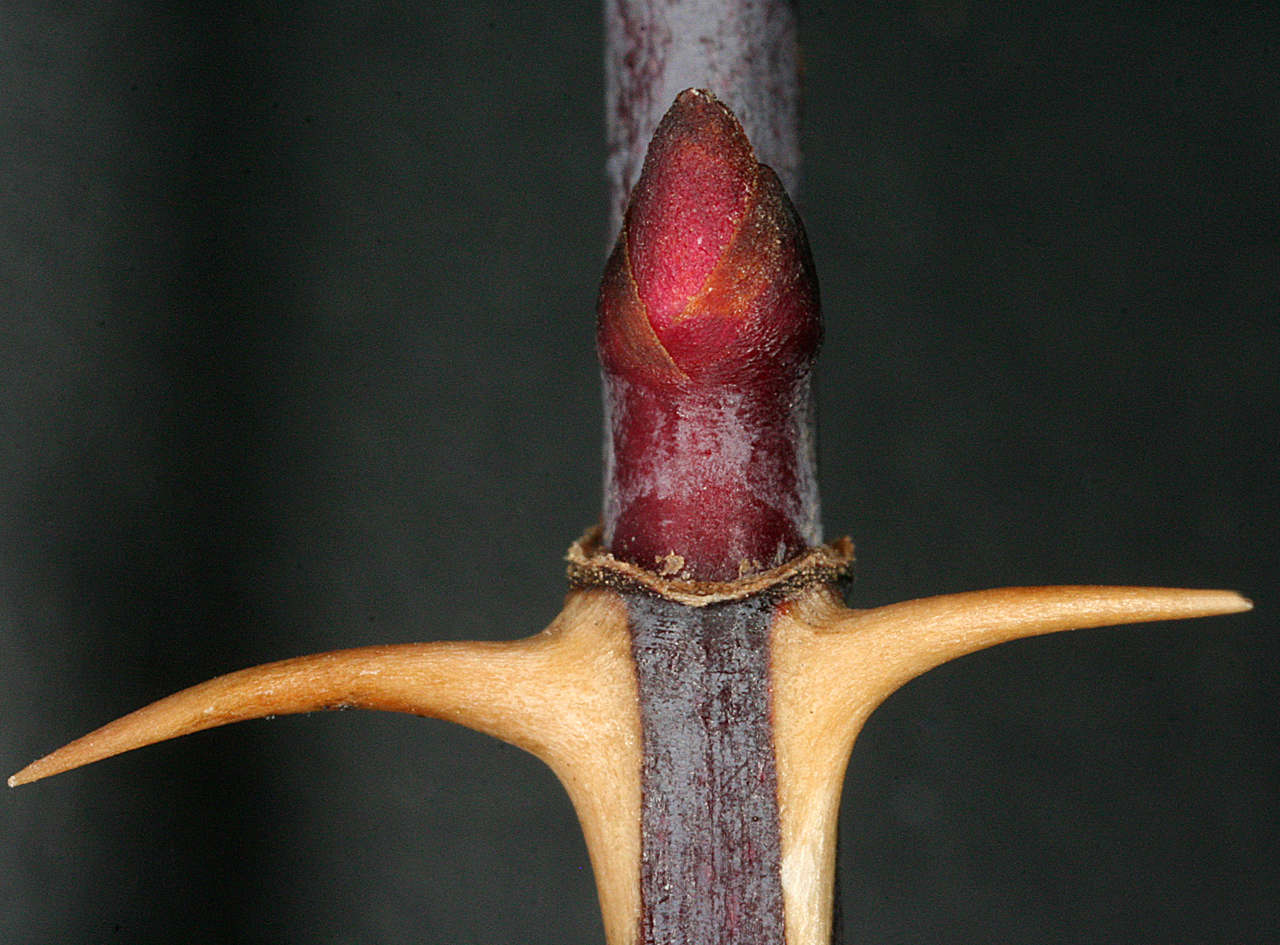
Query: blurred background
point(296, 353)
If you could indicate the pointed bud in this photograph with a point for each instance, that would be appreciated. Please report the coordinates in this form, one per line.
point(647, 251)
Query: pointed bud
point(708, 328)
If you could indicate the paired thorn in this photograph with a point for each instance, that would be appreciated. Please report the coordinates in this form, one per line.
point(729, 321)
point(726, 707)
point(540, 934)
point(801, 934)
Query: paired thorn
point(503, 688)
point(569, 696)
point(708, 327)
point(516, 690)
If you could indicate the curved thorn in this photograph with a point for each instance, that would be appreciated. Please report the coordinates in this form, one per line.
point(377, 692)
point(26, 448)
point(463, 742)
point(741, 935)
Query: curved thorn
point(423, 679)
point(915, 636)
point(567, 695)
point(528, 692)
point(833, 666)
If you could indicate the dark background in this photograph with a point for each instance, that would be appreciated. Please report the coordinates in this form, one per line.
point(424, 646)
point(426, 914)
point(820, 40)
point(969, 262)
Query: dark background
point(296, 354)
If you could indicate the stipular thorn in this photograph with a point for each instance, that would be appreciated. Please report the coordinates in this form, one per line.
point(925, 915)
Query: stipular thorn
point(566, 695)
point(705, 634)
point(707, 331)
point(833, 666)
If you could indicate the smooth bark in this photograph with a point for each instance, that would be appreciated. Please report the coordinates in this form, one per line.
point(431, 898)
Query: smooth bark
point(744, 51)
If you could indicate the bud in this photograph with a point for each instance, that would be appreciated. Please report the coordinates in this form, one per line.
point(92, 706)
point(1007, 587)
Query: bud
point(708, 329)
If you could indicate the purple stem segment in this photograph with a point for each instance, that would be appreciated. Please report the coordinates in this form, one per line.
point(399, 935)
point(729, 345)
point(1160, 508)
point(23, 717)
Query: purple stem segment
point(708, 328)
point(711, 869)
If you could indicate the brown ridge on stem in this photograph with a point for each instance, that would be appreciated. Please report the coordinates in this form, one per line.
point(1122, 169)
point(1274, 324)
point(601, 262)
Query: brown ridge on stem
point(590, 565)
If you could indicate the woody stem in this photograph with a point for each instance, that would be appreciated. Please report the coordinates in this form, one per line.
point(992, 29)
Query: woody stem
point(744, 51)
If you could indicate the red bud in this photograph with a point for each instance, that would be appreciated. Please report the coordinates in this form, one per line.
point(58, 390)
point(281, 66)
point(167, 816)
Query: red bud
point(708, 327)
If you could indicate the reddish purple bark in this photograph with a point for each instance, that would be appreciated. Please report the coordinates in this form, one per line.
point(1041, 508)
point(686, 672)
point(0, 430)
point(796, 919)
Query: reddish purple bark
point(711, 863)
point(708, 327)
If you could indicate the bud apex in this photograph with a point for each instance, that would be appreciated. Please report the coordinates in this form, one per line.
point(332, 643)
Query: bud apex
point(708, 327)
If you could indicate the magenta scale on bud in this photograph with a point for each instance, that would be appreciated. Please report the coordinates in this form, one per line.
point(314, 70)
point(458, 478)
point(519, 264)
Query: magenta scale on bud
point(708, 330)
